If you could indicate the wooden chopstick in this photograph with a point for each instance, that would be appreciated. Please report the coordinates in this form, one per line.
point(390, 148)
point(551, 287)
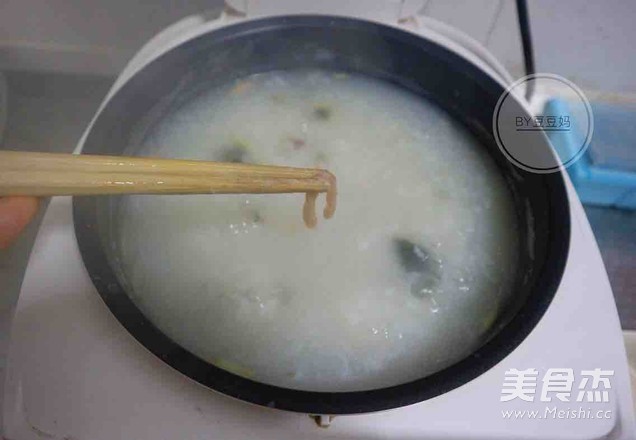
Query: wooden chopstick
point(50, 174)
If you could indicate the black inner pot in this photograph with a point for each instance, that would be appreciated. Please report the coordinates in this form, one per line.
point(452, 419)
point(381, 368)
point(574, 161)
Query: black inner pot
point(341, 44)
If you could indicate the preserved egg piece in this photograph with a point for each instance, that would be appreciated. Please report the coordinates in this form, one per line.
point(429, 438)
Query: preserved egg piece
point(419, 263)
point(322, 112)
point(235, 152)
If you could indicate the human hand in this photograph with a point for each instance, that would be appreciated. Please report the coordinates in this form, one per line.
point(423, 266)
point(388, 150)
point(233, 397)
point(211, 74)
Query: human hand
point(15, 215)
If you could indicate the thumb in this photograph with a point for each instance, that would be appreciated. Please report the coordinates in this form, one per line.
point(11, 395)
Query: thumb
point(15, 215)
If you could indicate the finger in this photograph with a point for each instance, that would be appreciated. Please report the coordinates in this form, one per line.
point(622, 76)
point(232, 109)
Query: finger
point(15, 215)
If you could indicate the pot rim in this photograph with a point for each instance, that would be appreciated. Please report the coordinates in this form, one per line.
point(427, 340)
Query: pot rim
point(508, 338)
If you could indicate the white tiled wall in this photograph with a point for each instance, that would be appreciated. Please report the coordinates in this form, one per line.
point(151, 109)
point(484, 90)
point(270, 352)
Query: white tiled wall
point(84, 36)
point(589, 41)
